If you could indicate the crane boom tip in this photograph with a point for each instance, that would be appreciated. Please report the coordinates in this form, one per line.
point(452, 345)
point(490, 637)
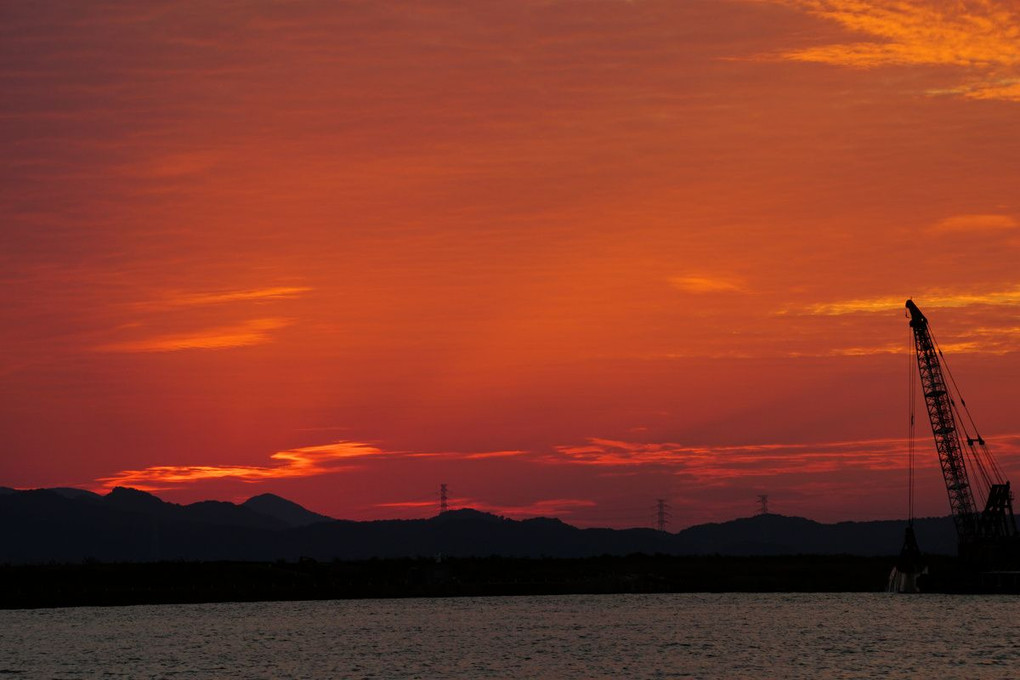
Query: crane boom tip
point(916, 317)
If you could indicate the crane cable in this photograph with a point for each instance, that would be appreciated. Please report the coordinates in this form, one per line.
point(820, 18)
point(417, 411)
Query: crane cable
point(962, 434)
point(912, 400)
point(983, 459)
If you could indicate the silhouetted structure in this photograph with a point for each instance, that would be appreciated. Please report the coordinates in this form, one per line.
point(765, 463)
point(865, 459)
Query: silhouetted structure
point(987, 539)
point(662, 514)
point(763, 504)
point(443, 500)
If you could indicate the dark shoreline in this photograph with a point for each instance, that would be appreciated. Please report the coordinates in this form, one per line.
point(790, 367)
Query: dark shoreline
point(108, 584)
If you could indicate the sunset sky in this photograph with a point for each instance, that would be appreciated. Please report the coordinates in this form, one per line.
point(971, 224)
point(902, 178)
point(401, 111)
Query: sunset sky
point(566, 256)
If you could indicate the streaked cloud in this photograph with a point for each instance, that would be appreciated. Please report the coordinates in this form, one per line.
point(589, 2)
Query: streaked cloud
point(491, 454)
point(890, 303)
point(958, 347)
point(979, 35)
point(863, 351)
point(308, 461)
point(697, 283)
point(1008, 89)
point(192, 299)
point(985, 340)
point(968, 223)
point(716, 462)
point(174, 308)
point(305, 461)
point(246, 334)
point(465, 456)
point(968, 33)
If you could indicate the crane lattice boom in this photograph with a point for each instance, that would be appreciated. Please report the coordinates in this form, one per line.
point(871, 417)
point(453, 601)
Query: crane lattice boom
point(943, 424)
point(987, 538)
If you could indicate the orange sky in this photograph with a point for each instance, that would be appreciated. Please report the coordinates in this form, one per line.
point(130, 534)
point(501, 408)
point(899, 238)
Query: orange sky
point(567, 257)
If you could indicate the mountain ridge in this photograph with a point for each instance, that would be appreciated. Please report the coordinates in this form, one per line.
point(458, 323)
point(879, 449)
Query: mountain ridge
point(129, 525)
point(284, 510)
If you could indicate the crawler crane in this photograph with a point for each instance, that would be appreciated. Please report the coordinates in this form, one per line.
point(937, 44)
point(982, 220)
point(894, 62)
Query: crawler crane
point(987, 538)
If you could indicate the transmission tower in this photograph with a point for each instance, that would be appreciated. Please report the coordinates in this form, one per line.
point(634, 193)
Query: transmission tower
point(763, 504)
point(662, 514)
point(443, 504)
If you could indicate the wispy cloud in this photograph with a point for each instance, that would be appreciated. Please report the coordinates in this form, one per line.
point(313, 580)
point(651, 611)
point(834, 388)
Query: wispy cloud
point(888, 303)
point(490, 454)
point(957, 347)
point(308, 461)
point(885, 303)
point(728, 461)
point(697, 283)
point(981, 36)
point(969, 223)
point(985, 340)
point(465, 456)
point(865, 350)
point(193, 299)
point(719, 465)
point(177, 307)
point(248, 333)
point(1008, 89)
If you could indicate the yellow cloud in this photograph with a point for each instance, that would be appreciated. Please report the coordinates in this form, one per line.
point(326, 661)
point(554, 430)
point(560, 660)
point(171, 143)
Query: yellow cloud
point(980, 35)
point(186, 299)
point(866, 351)
point(890, 302)
point(307, 461)
point(277, 293)
point(254, 332)
point(707, 284)
point(1007, 90)
point(977, 223)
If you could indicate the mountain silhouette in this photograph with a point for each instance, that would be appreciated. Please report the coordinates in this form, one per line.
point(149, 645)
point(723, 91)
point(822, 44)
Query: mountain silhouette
point(288, 512)
point(73, 493)
point(128, 525)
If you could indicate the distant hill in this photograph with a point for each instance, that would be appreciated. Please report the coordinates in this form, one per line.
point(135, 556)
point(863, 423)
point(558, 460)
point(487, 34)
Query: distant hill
point(772, 534)
point(58, 525)
point(73, 493)
point(288, 512)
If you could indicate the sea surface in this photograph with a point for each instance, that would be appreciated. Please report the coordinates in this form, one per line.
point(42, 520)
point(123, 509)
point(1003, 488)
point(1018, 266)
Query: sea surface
point(578, 636)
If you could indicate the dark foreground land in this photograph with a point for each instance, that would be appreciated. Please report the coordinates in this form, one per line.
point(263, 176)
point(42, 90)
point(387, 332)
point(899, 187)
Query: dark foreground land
point(97, 584)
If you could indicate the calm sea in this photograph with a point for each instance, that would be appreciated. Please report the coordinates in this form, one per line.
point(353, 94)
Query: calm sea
point(581, 636)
